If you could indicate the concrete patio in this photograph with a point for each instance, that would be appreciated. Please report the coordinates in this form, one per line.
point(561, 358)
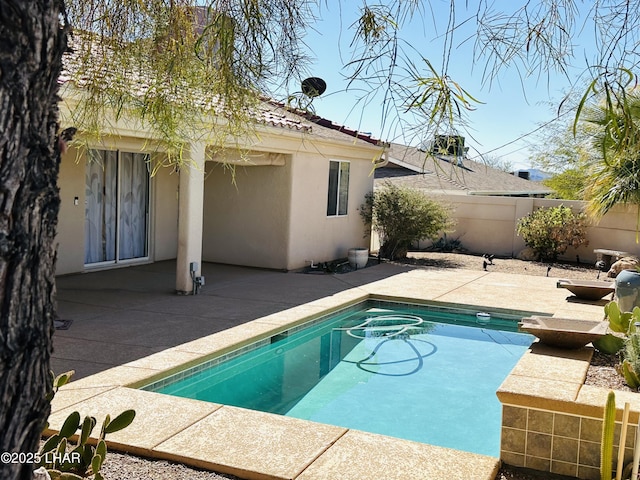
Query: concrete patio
point(130, 329)
point(125, 314)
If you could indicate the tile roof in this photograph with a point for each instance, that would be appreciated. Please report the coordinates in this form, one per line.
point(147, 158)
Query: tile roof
point(279, 117)
point(414, 168)
point(263, 113)
point(325, 123)
point(267, 112)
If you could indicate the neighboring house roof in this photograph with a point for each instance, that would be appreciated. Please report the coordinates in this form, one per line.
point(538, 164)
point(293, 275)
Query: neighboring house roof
point(415, 168)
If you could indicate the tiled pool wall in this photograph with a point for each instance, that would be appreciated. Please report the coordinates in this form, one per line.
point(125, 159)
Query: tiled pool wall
point(366, 304)
point(557, 442)
point(191, 371)
point(552, 421)
point(508, 314)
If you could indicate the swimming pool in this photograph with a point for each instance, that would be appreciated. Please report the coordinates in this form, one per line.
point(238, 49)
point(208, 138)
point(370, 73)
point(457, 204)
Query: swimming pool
point(423, 374)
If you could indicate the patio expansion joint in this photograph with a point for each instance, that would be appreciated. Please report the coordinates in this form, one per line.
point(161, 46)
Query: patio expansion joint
point(107, 388)
point(462, 285)
point(205, 415)
point(317, 457)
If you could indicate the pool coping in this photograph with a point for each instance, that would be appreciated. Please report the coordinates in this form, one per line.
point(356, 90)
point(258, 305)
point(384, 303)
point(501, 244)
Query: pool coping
point(256, 445)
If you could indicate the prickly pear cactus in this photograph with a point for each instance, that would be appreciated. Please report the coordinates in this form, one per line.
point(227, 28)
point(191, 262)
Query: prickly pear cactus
point(64, 460)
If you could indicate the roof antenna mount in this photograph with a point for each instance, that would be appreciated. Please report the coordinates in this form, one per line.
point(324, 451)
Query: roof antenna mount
point(313, 87)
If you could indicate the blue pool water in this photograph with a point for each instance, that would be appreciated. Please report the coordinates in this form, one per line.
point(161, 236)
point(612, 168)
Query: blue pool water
point(407, 372)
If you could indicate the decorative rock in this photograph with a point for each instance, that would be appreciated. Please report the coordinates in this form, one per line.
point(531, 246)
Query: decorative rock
point(41, 474)
point(626, 263)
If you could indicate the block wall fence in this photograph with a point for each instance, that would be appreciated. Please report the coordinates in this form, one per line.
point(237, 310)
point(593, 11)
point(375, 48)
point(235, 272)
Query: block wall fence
point(488, 225)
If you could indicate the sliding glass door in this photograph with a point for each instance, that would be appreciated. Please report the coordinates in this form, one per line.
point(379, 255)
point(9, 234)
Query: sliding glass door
point(117, 207)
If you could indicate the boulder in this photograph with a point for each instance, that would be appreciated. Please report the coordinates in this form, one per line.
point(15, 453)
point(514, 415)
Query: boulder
point(625, 263)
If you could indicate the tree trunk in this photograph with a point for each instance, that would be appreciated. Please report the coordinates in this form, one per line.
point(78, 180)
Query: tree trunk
point(32, 41)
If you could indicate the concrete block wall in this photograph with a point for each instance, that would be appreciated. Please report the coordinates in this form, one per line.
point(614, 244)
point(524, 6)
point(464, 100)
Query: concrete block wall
point(488, 225)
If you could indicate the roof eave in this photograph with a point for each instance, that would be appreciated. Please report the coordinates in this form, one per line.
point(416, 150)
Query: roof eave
point(504, 193)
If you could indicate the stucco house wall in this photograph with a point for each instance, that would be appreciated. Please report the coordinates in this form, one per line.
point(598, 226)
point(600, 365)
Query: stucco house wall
point(309, 209)
point(247, 223)
point(163, 239)
point(276, 216)
point(70, 231)
point(164, 201)
point(273, 216)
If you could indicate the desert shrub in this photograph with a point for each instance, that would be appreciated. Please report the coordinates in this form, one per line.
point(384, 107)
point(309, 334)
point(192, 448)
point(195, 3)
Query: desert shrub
point(447, 245)
point(550, 231)
point(401, 216)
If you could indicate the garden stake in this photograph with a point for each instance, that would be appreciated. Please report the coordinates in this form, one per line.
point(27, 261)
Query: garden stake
point(636, 453)
point(623, 441)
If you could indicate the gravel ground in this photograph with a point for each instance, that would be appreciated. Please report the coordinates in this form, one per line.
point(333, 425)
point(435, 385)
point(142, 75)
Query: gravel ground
point(128, 467)
point(581, 271)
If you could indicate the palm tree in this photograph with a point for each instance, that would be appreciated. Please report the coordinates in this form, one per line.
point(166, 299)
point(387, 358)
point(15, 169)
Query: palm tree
point(614, 174)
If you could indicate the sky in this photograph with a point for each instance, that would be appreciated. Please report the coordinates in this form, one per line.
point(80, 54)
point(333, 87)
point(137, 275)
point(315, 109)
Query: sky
point(495, 126)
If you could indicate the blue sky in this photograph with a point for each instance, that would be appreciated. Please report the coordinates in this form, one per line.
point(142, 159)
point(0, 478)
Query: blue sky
point(504, 116)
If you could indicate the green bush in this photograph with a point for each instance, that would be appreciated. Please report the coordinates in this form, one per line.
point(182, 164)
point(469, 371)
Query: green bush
point(550, 231)
point(620, 322)
point(401, 216)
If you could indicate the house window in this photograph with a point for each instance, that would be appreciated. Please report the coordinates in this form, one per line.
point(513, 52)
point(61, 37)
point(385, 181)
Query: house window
point(338, 188)
point(116, 207)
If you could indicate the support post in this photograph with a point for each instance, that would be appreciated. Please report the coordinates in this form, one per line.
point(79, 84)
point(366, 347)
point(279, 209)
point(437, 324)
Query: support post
point(190, 212)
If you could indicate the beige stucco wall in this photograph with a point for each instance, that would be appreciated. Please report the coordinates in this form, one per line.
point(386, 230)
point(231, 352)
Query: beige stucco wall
point(313, 235)
point(488, 225)
point(164, 213)
point(247, 223)
point(276, 216)
point(273, 216)
point(70, 234)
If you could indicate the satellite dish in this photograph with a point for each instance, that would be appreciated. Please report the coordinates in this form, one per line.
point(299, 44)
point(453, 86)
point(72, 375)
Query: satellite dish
point(313, 86)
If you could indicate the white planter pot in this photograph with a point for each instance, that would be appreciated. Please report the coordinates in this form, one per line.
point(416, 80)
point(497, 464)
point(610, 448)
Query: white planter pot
point(358, 257)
